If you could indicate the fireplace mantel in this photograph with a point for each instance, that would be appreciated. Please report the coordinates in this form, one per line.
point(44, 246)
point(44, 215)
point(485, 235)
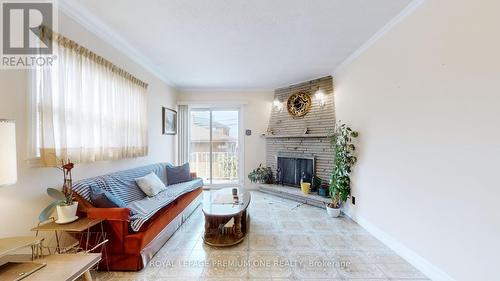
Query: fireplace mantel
point(296, 136)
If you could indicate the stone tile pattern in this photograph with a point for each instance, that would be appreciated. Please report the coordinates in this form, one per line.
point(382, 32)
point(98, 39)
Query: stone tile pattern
point(319, 120)
point(287, 241)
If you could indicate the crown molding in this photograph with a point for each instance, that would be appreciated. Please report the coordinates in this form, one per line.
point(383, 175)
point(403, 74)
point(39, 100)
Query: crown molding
point(84, 17)
point(211, 103)
point(408, 10)
point(223, 90)
point(311, 79)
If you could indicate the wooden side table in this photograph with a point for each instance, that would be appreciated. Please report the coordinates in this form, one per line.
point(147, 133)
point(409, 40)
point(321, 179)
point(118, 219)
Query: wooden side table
point(58, 267)
point(11, 244)
point(10, 268)
point(79, 228)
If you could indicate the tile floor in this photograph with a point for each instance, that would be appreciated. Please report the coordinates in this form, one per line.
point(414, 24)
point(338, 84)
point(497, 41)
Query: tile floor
point(287, 241)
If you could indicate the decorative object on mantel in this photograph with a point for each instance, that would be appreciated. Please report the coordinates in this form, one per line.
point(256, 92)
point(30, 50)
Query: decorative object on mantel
point(299, 104)
point(64, 204)
point(261, 175)
point(345, 158)
point(169, 118)
point(269, 131)
point(306, 131)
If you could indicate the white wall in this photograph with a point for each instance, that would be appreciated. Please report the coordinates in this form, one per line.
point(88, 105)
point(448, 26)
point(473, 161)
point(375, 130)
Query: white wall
point(426, 100)
point(21, 203)
point(257, 110)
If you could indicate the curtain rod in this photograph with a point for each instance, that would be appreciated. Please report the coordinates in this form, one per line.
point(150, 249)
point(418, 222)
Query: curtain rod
point(68, 43)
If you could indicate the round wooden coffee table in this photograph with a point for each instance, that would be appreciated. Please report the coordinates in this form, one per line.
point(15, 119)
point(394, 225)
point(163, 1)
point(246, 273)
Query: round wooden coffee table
point(225, 216)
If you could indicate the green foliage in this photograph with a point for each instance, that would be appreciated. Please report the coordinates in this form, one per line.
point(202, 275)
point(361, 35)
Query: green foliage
point(261, 175)
point(45, 214)
point(317, 181)
point(56, 194)
point(342, 142)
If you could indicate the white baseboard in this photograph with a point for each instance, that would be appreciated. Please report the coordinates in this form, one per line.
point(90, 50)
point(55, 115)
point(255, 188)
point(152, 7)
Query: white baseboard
point(409, 255)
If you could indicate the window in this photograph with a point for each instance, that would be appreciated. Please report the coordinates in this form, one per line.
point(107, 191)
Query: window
point(86, 109)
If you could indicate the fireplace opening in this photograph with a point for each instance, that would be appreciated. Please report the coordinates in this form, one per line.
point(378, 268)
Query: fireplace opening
point(294, 167)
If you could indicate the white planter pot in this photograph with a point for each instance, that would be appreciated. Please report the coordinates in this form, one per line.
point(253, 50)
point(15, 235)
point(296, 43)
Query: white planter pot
point(332, 212)
point(66, 214)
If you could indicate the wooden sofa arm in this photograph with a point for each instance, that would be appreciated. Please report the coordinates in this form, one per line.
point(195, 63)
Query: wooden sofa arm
point(110, 214)
point(193, 175)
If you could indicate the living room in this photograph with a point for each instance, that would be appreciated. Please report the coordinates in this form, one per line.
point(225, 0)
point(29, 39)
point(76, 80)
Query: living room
point(356, 139)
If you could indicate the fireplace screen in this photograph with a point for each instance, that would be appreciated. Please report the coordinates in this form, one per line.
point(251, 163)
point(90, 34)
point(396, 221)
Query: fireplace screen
point(292, 169)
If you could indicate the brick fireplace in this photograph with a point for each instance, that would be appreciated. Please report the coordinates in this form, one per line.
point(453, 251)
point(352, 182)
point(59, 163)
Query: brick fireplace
point(288, 138)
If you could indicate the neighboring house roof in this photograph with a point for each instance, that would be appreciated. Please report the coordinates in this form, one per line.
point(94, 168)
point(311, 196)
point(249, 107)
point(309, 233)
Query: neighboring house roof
point(201, 133)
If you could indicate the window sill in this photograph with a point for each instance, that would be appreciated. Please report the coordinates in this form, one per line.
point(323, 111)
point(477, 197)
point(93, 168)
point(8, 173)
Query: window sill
point(34, 162)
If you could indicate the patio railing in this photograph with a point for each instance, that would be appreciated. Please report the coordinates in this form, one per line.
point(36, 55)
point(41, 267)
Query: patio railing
point(225, 165)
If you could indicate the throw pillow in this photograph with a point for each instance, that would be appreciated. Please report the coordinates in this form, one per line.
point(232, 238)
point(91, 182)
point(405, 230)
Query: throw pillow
point(150, 184)
point(100, 198)
point(178, 174)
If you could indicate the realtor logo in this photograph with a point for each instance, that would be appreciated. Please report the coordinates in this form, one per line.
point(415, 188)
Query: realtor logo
point(22, 42)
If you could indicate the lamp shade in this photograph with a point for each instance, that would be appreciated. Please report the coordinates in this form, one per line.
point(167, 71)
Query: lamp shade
point(8, 162)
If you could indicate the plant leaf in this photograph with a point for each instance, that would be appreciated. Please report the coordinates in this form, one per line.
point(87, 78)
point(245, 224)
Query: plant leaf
point(45, 214)
point(56, 194)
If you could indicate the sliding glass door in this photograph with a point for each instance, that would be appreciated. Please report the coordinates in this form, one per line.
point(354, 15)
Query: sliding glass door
point(215, 145)
point(199, 149)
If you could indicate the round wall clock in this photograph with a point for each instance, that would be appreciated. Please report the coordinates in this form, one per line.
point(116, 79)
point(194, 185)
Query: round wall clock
point(299, 104)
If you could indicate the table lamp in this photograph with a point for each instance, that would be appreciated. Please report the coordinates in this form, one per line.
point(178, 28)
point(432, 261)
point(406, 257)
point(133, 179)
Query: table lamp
point(8, 176)
point(8, 161)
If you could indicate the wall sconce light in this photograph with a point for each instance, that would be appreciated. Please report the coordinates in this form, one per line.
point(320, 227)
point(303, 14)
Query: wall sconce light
point(278, 105)
point(320, 97)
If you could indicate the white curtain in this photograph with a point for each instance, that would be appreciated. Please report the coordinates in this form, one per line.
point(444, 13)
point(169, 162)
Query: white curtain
point(85, 111)
point(183, 134)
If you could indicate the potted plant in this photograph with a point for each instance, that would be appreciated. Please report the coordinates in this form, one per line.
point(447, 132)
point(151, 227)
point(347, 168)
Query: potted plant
point(316, 183)
point(323, 189)
point(340, 184)
point(65, 206)
point(261, 175)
